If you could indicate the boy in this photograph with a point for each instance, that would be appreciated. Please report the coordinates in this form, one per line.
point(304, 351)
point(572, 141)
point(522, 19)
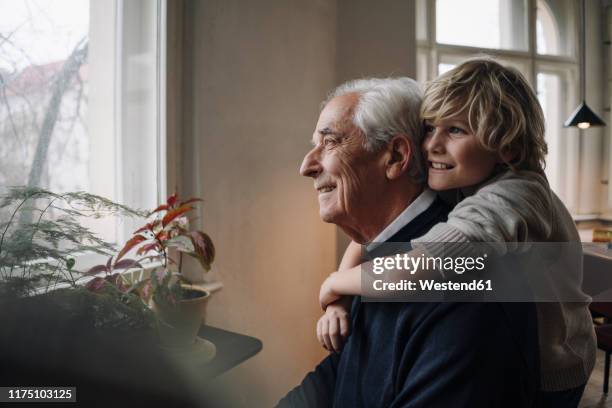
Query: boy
point(485, 140)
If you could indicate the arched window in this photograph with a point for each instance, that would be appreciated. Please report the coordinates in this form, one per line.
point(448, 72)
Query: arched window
point(547, 30)
point(542, 47)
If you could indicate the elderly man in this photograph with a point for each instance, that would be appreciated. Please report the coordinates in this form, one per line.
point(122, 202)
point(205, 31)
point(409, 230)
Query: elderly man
point(368, 173)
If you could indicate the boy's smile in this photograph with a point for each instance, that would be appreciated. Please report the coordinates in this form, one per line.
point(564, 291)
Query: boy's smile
point(454, 156)
point(439, 166)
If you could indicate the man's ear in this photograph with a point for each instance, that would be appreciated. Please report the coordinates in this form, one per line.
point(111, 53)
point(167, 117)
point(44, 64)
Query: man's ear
point(400, 150)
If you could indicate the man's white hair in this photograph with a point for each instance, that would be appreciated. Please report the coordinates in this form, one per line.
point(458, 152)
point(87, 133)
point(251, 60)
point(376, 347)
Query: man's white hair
point(388, 107)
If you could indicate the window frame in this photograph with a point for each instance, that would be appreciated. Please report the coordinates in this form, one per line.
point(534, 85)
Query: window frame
point(84, 261)
point(430, 54)
point(87, 260)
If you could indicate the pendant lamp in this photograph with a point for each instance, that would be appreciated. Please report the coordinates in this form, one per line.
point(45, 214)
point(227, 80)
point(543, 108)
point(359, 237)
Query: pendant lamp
point(583, 117)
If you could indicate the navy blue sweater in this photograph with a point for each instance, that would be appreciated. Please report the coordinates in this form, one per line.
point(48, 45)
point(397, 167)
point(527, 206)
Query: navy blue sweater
point(429, 354)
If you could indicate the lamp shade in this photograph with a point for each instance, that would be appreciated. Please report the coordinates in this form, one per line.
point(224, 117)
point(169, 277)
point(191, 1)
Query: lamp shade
point(583, 118)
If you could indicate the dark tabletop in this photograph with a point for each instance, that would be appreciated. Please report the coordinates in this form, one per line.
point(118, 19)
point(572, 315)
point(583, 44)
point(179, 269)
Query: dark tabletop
point(232, 349)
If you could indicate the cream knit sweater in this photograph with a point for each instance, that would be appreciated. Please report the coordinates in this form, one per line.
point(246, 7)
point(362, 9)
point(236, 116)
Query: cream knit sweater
point(514, 208)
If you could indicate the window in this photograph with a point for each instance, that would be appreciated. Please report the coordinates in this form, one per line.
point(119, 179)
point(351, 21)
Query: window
point(497, 24)
point(81, 99)
point(535, 36)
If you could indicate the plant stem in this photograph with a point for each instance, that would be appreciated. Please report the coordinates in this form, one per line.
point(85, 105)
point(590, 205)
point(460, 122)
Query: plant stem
point(11, 219)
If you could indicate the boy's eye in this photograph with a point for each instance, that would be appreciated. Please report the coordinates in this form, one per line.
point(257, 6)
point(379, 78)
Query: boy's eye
point(429, 129)
point(454, 130)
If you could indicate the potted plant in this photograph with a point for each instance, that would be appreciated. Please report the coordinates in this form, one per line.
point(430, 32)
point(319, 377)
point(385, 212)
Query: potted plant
point(41, 234)
point(161, 244)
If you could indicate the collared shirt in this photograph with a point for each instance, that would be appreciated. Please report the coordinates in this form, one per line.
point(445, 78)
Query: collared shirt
point(420, 204)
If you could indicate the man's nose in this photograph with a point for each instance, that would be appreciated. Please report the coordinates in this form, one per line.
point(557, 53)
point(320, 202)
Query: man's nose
point(311, 167)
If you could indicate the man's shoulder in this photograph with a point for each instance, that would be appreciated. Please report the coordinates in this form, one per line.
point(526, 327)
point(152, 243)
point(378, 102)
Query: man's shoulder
point(437, 212)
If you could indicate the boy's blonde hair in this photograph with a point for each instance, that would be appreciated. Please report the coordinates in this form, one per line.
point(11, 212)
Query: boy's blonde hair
point(503, 111)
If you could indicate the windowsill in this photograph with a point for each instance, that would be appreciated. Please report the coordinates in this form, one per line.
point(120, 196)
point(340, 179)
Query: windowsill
point(586, 217)
point(134, 275)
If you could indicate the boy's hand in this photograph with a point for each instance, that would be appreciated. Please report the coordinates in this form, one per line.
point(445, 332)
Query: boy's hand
point(327, 295)
point(334, 326)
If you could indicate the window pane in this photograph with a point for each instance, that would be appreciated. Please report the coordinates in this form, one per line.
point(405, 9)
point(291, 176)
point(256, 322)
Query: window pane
point(421, 19)
point(498, 24)
point(44, 94)
point(442, 68)
point(549, 94)
point(449, 61)
point(422, 65)
point(79, 99)
point(555, 27)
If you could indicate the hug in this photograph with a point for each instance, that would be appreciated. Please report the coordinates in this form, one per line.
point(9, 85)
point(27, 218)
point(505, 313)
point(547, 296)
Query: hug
point(462, 163)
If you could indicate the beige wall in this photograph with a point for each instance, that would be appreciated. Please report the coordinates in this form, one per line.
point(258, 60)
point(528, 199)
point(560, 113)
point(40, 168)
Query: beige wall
point(592, 146)
point(373, 41)
point(254, 75)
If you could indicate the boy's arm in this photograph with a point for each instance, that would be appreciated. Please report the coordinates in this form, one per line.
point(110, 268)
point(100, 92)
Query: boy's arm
point(515, 209)
point(352, 281)
point(506, 215)
point(347, 280)
point(334, 327)
point(352, 256)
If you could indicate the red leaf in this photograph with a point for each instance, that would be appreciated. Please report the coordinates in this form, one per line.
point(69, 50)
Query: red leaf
point(204, 248)
point(108, 263)
point(172, 200)
point(191, 200)
point(162, 236)
point(147, 227)
point(177, 212)
point(148, 247)
point(143, 289)
point(160, 208)
point(117, 281)
point(95, 284)
point(146, 290)
point(129, 245)
point(127, 264)
point(147, 258)
point(97, 269)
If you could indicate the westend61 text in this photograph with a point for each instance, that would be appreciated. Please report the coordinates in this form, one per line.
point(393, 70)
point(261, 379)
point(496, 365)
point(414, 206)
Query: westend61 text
point(432, 285)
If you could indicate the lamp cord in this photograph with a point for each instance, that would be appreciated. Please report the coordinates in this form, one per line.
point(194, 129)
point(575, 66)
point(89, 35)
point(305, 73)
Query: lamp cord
point(583, 54)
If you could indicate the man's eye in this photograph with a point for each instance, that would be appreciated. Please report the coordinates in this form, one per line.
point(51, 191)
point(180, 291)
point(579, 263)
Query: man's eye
point(328, 141)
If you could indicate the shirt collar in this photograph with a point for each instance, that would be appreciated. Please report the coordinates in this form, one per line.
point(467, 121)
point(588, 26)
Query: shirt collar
point(414, 209)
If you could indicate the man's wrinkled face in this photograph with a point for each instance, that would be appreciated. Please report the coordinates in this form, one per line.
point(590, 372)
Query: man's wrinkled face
point(347, 177)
